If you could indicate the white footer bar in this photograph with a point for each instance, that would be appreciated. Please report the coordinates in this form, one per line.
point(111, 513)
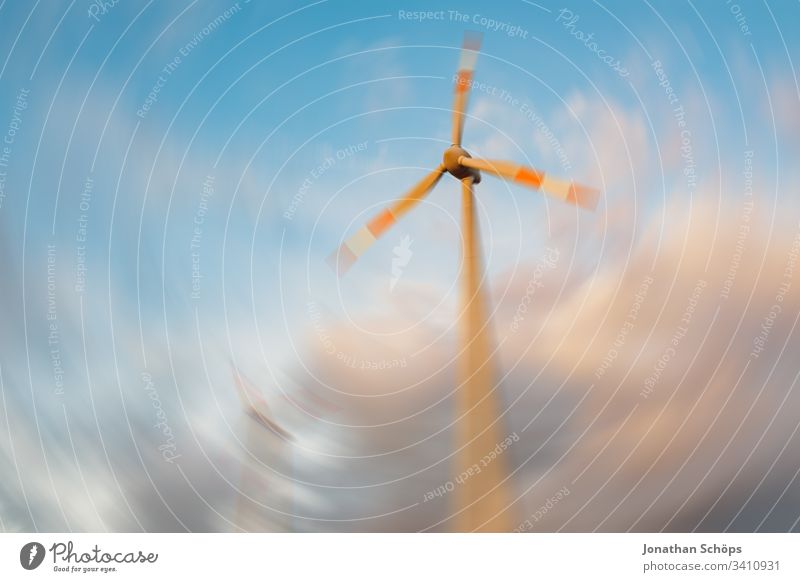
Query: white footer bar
point(417, 557)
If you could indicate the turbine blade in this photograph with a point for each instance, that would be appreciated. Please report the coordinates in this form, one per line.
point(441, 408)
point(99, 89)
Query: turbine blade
point(254, 403)
point(355, 246)
point(565, 190)
point(469, 55)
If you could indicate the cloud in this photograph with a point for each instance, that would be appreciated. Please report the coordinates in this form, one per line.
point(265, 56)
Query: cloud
point(698, 441)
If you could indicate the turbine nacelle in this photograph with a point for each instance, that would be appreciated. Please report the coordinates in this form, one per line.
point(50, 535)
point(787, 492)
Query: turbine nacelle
point(461, 165)
point(452, 161)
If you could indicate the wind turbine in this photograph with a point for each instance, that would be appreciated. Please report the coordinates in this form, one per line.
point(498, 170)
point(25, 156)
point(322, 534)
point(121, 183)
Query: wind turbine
point(482, 499)
point(267, 444)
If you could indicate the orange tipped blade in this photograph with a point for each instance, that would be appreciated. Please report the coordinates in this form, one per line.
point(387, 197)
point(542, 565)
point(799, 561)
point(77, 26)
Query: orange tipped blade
point(466, 66)
point(565, 190)
point(348, 252)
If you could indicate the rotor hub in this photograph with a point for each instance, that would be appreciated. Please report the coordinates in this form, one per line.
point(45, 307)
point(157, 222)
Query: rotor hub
point(451, 162)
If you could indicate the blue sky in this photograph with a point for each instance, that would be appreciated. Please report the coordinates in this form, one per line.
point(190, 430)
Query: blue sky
point(387, 76)
point(312, 117)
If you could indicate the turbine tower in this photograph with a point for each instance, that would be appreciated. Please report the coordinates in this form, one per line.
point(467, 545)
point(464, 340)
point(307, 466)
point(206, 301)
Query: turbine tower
point(482, 499)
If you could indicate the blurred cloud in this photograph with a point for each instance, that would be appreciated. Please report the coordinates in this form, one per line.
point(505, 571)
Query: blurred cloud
point(697, 451)
point(625, 339)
